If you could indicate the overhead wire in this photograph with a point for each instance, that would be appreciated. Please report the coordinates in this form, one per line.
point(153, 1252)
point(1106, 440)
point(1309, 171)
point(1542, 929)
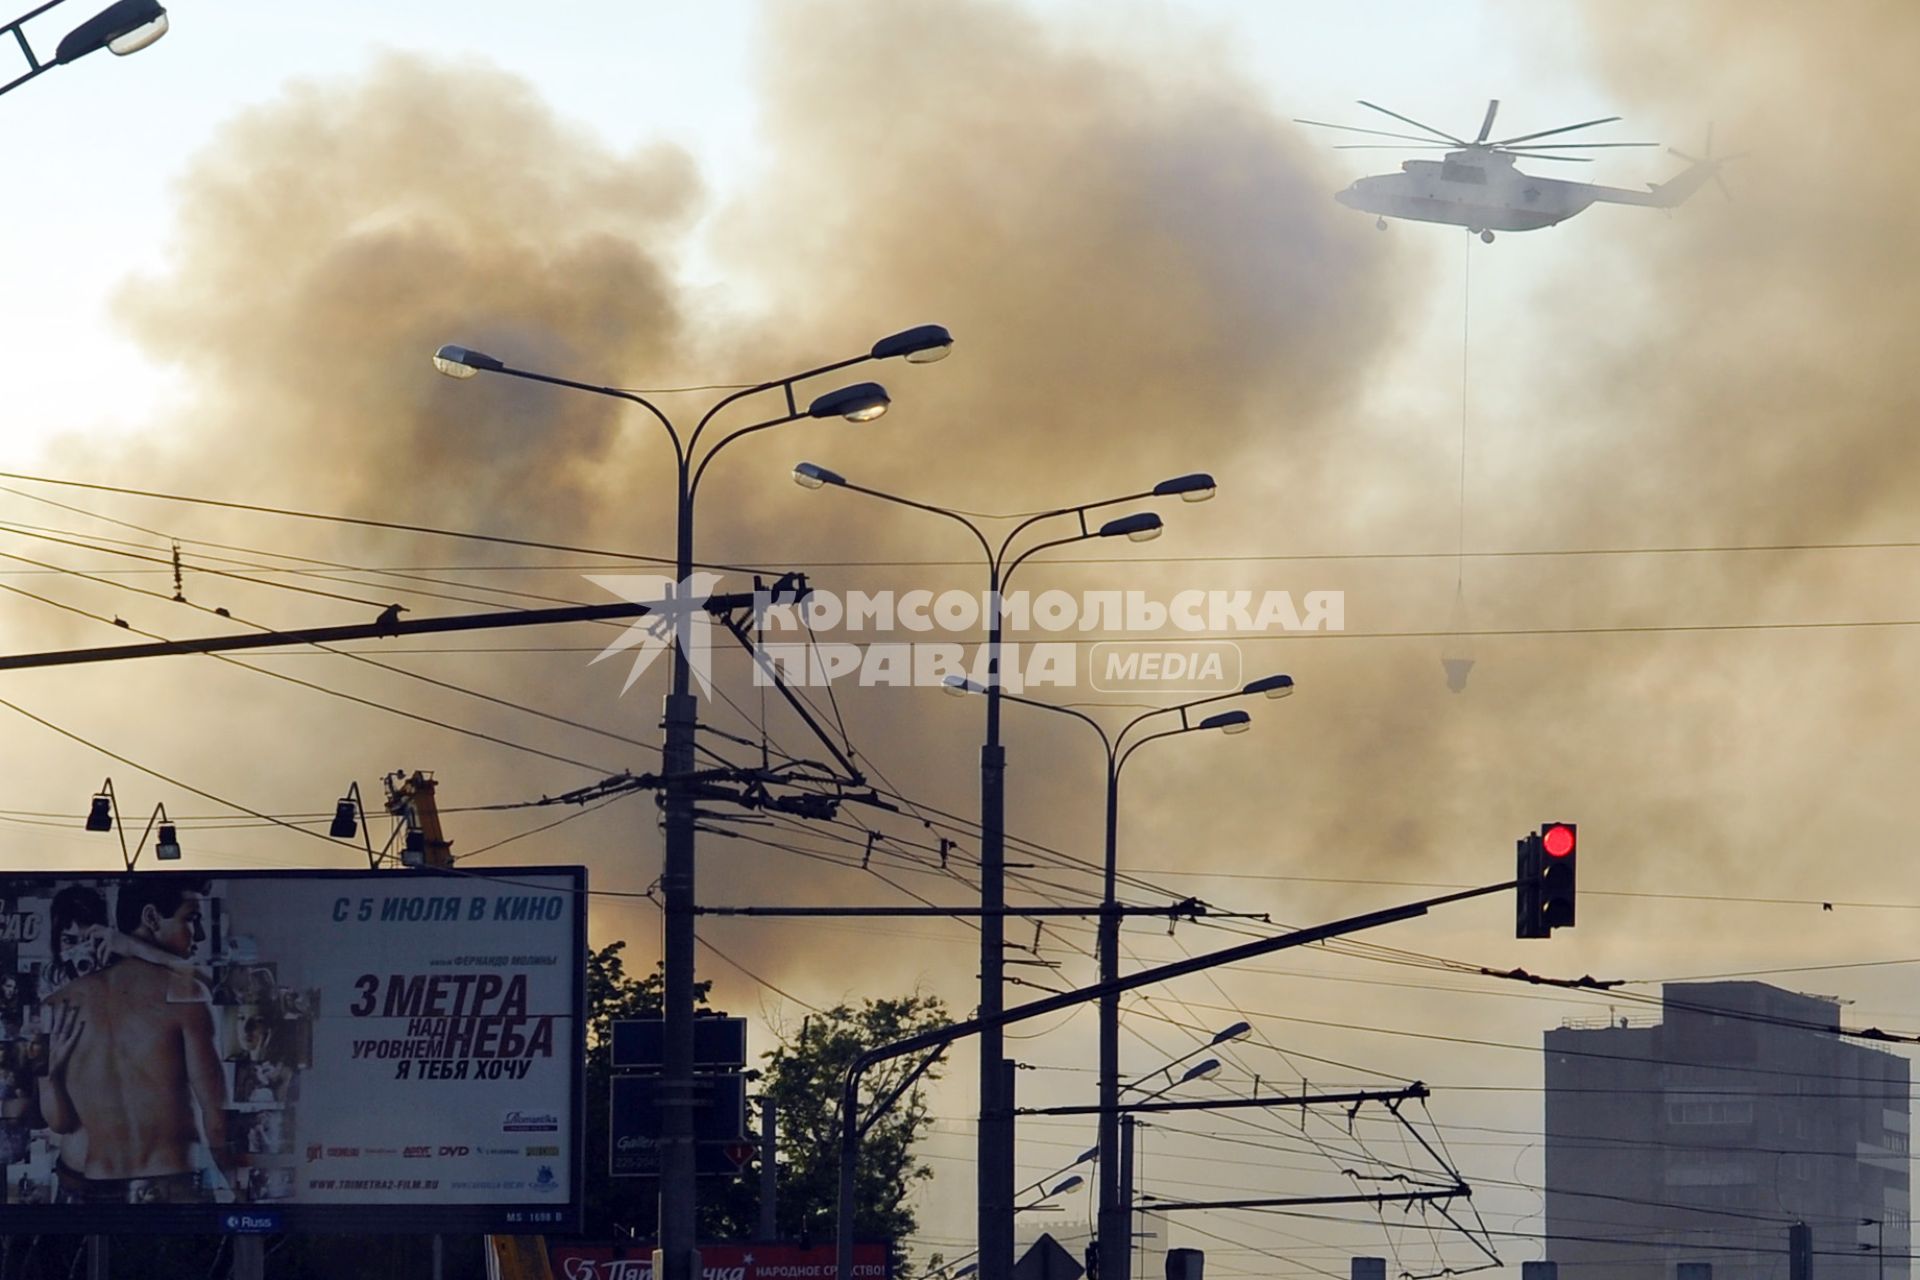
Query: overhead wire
point(365, 522)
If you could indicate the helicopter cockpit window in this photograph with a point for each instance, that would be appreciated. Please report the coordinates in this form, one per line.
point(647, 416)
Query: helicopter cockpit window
point(1451, 172)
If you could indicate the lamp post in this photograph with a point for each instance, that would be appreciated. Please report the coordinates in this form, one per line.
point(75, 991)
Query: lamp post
point(124, 27)
point(860, 402)
point(994, 1204)
point(1880, 1248)
point(1112, 1233)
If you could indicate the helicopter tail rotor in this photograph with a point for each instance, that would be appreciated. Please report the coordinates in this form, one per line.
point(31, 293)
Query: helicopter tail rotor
point(1708, 162)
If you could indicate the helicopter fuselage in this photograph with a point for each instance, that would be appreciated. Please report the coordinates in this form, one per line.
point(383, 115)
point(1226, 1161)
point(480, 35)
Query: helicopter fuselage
point(1478, 191)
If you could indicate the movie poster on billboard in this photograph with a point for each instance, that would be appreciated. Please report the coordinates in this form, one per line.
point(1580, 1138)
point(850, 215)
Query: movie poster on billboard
point(398, 1051)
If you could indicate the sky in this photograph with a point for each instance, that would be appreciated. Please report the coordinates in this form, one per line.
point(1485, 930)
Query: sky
point(1683, 441)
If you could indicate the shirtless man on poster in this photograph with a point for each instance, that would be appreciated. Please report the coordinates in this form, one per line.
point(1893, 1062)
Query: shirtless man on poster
point(134, 1081)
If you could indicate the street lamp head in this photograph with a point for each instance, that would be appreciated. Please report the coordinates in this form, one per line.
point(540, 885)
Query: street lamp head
point(1238, 1031)
point(1201, 1071)
point(464, 362)
point(1087, 1155)
point(1143, 526)
point(1197, 487)
point(809, 476)
point(922, 344)
point(1229, 722)
point(1272, 686)
point(960, 687)
point(861, 402)
point(127, 26)
point(1066, 1184)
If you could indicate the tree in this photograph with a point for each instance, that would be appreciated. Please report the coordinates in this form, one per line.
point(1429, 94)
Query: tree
point(804, 1079)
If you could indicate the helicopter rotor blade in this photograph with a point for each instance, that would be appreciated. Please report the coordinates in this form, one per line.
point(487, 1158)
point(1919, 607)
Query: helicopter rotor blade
point(1548, 133)
point(1372, 106)
point(1349, 128)
point(1486, 125)
point(1536, 155)
point(1389, 146)
point(1581, 146)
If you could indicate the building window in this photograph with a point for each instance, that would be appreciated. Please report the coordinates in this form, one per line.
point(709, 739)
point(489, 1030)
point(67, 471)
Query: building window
point(1709, 1111)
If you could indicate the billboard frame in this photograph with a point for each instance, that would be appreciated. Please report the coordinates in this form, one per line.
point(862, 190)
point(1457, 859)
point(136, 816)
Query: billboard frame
point(373, 1218)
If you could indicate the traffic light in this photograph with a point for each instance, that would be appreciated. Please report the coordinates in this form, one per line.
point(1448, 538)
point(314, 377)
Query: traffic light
point(1526, 899)
point(1544, 865)
point(1560, 854)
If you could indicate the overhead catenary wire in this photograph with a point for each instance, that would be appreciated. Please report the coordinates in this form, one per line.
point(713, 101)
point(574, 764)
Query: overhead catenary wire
point(366, 522)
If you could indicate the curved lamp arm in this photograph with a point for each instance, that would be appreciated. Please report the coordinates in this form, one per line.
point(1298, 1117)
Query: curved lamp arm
point(464, 362)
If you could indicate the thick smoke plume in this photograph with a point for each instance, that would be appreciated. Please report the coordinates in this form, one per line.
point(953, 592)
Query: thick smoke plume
point(1144, 267)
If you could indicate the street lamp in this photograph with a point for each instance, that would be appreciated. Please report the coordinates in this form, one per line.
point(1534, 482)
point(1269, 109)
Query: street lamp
point(1112, 1233)
point(994, 1205)
point(860, 402)
point(1059, 1188)
point(124, 27)
point(1198, 1071)
point(1238, 1031)
point(102, 814)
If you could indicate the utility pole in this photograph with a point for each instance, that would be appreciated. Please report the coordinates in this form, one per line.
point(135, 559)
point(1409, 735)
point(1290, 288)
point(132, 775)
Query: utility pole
point(414, 800)
point(769, 1180)
point(1124, 1218)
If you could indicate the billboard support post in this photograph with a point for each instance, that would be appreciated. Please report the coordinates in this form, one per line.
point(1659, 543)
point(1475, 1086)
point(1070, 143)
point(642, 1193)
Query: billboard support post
point(249, 1258)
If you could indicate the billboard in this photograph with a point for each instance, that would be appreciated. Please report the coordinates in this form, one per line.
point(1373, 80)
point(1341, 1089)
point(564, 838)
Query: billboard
point(624, 1261)
point(292, 1051)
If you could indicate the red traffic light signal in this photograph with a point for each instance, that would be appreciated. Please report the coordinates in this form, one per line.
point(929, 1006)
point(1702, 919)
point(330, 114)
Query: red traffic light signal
point(1559, 843)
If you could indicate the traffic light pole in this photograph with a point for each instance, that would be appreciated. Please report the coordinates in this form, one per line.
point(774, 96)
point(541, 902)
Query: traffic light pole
point(851, 1127)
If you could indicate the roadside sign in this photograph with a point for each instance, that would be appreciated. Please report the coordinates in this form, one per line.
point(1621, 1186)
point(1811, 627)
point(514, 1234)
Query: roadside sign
point(719, 1108)
point(638, 1157)
point(1047, 1259)
point(718, 1043)
point(721, 1147)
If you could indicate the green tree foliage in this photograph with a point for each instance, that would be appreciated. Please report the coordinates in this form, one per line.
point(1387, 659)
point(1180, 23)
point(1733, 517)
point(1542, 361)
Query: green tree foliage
point(804, 1078)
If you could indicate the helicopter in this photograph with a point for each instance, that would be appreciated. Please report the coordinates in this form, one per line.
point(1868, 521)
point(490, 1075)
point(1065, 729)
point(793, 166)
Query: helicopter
point(1476, 185)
